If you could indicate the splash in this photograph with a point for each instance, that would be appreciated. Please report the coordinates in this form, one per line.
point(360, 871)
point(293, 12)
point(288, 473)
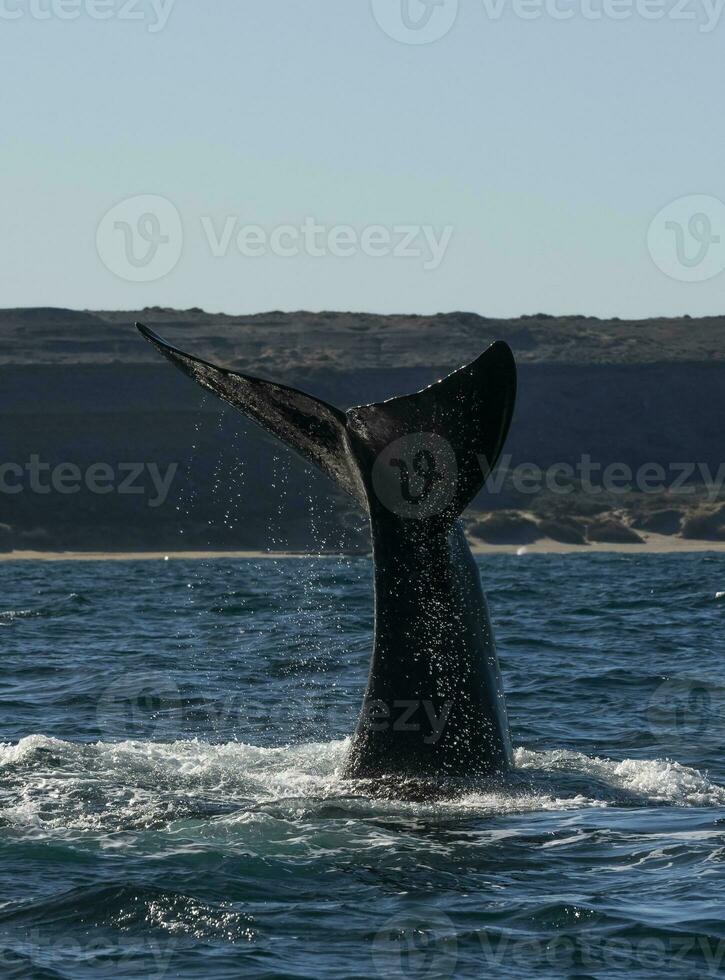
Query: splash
point(107, 787)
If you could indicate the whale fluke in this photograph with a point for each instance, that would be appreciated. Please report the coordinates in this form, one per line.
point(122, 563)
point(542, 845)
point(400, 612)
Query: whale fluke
point(463, 419)
point(469, 412)
point(308, 425)
point(434, 707)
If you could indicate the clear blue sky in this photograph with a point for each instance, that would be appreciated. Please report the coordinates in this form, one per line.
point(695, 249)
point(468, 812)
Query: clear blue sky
point(545, 146)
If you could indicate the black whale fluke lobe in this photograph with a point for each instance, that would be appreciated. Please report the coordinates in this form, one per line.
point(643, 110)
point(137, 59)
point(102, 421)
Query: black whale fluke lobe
point(308, 425)
point(434, 707)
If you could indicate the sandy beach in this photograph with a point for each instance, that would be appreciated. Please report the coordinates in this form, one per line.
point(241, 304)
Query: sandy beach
point(654, 544)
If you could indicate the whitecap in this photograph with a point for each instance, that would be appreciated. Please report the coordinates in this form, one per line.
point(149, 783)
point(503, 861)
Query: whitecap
point(131, 786)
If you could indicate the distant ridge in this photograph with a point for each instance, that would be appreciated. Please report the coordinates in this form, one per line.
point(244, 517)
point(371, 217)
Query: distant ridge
point(337, 341)
point(83, 388)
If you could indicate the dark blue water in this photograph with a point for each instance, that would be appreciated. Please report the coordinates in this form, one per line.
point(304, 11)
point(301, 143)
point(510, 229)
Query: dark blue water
point(170, 804)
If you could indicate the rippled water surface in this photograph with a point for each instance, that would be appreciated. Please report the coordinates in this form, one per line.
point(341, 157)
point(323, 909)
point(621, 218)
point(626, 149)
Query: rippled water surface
point(171, 735)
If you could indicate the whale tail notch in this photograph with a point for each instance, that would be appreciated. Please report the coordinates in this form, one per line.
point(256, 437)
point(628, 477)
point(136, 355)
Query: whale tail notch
point(469, 413)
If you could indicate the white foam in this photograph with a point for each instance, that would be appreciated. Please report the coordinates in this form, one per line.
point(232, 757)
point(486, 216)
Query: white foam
point(659, 780)
point(51, 783)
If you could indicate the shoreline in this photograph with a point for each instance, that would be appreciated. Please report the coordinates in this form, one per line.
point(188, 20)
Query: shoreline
point(654, 544)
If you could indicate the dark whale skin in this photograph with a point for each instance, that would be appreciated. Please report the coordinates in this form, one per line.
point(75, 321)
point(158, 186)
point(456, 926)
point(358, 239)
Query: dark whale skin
point(434, 649)
point(434, 708)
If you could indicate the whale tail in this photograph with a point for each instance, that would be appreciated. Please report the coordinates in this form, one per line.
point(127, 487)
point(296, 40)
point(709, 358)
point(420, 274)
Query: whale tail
point(420, 455)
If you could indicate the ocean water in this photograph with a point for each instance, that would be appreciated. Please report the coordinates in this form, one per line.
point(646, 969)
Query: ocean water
point(170, 805)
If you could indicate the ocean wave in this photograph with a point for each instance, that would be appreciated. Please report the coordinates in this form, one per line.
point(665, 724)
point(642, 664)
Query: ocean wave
point(134, 785)
point(59, 607)
point(655, 780)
